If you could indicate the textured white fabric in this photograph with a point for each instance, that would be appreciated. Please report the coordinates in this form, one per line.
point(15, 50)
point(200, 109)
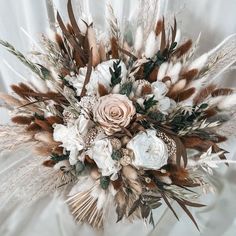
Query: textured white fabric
point(214, 19)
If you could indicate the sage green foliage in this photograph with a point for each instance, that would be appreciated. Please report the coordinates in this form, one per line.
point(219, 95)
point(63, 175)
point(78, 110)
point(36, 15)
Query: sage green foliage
point(38, 69)
point(115, 73)
point(147, 104)
point(126, 88)
point(116, 155)
point(184, 119)
point(104, 182)
point(57, 158)
point(79, 167)
point(159, 59)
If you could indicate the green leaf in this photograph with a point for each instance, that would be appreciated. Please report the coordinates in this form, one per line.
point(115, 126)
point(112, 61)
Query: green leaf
point(57, 158)
point(126, 88)
point(79, 167)
point(149, 103)
point(115, 73)
point(116, 155)
point(104, 182)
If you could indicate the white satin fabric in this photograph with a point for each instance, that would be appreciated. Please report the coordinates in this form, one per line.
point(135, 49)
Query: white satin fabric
point(214, 19)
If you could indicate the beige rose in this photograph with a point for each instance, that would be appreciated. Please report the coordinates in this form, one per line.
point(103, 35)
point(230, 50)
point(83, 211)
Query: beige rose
point(113, 112)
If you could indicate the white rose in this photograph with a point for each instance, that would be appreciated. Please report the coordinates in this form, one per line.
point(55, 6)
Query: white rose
point(101, 152)
point(150, 152)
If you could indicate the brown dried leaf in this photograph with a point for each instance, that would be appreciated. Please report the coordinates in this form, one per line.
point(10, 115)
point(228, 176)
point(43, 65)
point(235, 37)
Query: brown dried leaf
point(163, 36)
point(174, 30)
point(134, 207)
point(182, 205)
point(169, 205)
point(73, 22)
point(79, 55)
point(88, 73)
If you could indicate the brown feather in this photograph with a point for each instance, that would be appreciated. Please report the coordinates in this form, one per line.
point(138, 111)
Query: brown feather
point(210, 112)
point(33, 127)
point(102, 90)
point(54, 120)
point(183, 49)
point(114, 48)
point(22, 120)
point(166, 78)
point(153, 76)
point(49, 163)
point(203, 94)
point(18, 91)
point(146, 89)
point(221, 92)
point(158, 27)
point(185, 94)
point(73, 22)
point(43, 124)
point(174, 30)
point(190, 75)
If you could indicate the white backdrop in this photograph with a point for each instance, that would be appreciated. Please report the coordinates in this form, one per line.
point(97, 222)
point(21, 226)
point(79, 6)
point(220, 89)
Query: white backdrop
point(215, 19)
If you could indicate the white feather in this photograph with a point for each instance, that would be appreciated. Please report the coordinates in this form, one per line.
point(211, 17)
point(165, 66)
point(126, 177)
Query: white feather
point(199, 63)
point(173, 73)
point(151, 45)
point(138, 39)
point(228, 102)
point(162, 70)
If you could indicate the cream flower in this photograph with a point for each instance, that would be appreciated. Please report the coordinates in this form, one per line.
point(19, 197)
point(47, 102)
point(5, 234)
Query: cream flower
point(100, 152)
point(150, 152)
point(113, 112)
